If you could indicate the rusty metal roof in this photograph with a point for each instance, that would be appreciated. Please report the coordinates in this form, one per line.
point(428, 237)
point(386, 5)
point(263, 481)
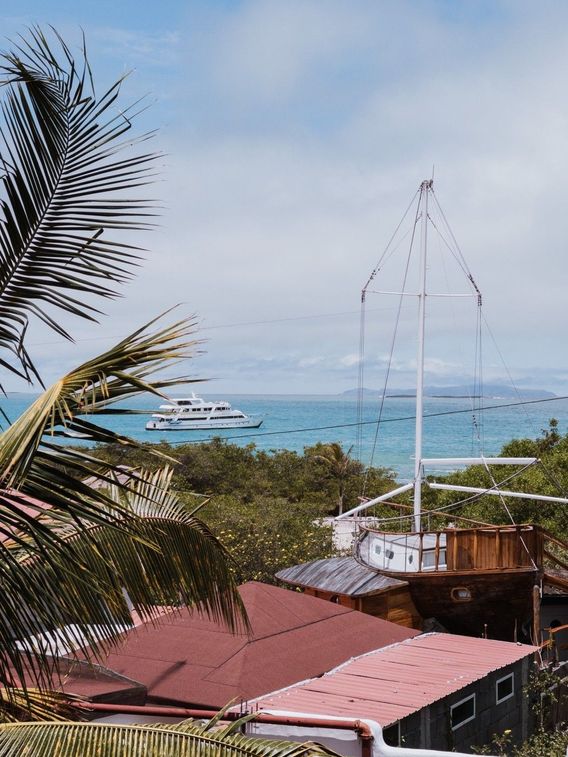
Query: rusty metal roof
point(391, 683)
point(339, 575)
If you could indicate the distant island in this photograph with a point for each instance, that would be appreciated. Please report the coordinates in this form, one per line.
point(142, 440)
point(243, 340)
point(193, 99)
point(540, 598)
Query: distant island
point(490, 391)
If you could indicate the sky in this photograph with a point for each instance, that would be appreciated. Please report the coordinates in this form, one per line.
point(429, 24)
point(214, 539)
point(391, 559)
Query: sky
point(295, 133)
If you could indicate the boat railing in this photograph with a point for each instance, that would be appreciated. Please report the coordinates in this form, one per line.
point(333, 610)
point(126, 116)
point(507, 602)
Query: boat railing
point(452, 549)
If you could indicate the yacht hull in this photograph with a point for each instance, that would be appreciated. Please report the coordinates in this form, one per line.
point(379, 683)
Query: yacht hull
point(192, 425)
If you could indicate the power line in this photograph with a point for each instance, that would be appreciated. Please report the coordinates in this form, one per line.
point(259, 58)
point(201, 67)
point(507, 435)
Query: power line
point(366, 423)
point(264, 322)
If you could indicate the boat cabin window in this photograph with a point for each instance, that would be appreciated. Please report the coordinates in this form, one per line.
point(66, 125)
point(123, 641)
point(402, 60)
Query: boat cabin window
point(462, 712)
point(429, 559)
point(388, 553)
point(461, 594)
point(504, 688)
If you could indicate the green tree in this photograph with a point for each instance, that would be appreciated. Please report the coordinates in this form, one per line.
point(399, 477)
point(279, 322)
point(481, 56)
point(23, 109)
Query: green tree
point(266, 534)
point(340, 468)
point(548, 477)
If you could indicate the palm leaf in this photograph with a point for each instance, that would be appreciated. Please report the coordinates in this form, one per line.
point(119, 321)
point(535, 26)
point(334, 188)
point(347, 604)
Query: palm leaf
point(165, 557)
point(17, 705)
point(63, 181)
point(48, 514)
point(30, 460)
point(187, 739)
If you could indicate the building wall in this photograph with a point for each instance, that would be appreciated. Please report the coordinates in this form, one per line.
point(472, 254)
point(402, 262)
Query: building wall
point(395, 605)
point(430, 728)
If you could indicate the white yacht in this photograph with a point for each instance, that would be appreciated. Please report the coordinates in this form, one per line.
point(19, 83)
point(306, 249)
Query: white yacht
point(194, 412)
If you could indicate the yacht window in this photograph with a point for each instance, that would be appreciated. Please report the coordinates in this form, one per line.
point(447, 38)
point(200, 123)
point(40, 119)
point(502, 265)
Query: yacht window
point(389, 554)
point(378, 549)
point(410, 559)
point(462, 712)
point(504, 688)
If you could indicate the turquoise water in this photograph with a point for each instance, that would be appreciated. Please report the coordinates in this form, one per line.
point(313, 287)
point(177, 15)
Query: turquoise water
point(294, 422)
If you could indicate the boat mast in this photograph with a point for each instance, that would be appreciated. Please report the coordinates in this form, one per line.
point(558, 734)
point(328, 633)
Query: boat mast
point(422, 463)
point(425, 188)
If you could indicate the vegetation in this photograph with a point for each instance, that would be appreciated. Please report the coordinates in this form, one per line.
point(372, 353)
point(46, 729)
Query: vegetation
point(267, 534)
point(265, 507)
point(256, 494)
point(540, 744)
point(186, 739)
point(219, 468)
point(549, 477)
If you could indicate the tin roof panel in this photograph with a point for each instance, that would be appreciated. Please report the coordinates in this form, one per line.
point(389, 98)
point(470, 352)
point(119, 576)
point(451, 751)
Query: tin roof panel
point(338, 575)
point(391, 683)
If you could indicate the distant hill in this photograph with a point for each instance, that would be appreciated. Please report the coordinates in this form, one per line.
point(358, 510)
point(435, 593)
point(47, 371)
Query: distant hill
point(490, 391)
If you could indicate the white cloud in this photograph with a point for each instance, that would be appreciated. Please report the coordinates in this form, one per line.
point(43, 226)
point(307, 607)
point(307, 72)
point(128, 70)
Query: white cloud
point(297, 134)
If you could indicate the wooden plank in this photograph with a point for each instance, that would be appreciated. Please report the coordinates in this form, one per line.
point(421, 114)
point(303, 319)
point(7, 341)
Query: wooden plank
point(475, 548)
point(498, 548)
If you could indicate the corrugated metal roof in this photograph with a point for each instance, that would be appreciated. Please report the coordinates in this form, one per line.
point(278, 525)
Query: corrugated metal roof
point(339, 575)
point(392, 683)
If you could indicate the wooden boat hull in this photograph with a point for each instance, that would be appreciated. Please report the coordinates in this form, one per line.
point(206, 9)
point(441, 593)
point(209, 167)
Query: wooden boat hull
point(500, 603)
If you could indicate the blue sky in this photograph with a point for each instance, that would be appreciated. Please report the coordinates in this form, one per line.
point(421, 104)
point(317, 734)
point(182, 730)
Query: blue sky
point(295, 133)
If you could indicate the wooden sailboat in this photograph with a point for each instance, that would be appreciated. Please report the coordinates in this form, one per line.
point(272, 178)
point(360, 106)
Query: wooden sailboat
point(481, 579)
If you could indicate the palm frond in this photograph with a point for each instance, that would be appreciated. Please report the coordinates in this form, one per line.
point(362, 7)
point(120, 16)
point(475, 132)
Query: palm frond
point(166, 556)
point(63, 180)
point(187, 739)
point(90, 576)
point(36, 705)
point(31, 461)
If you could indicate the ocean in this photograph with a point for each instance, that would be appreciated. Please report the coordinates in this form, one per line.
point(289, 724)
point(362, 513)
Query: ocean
point(296, 421)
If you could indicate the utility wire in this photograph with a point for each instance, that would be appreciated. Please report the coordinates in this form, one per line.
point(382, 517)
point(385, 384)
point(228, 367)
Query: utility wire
point(366, 423)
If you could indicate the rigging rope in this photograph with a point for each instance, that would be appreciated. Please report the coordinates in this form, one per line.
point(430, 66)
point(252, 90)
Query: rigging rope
point(502, 498)
point(391, 353)
point(466, 500)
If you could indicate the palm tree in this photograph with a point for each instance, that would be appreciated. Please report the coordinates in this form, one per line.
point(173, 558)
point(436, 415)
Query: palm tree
point(70, 551)
point(340, 467)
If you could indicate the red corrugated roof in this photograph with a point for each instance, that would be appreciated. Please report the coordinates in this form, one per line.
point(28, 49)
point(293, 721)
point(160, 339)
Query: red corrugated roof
point(190, 660)
point(391, 683)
